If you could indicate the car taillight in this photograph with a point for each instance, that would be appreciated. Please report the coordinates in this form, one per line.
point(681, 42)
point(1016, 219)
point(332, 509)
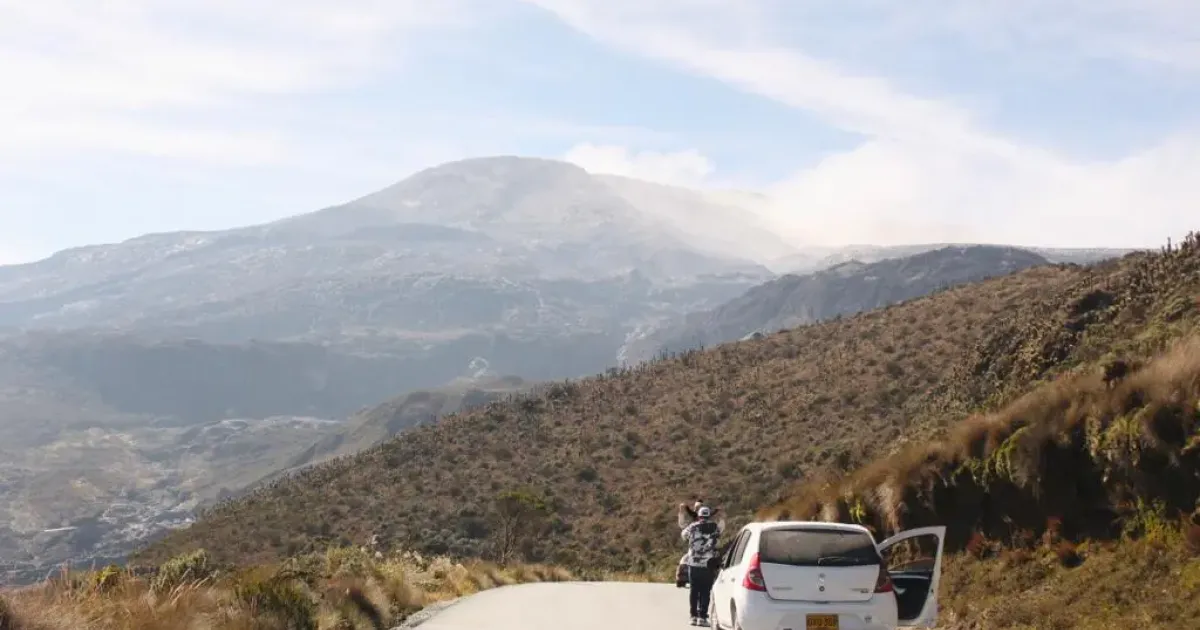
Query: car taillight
point(884, 583)
point(753, 580)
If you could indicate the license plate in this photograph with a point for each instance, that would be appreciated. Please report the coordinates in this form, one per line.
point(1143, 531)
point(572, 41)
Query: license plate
point(821, 622)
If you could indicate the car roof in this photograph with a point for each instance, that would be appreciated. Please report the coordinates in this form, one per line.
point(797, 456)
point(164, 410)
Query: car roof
point(826, 525)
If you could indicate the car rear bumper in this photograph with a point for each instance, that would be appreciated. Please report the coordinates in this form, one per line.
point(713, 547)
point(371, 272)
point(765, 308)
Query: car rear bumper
point(760, 612)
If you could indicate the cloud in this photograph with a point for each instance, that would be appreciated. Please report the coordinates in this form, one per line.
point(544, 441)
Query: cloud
point(223, 82)
point(167, 79)
point(892, 193)
point(1150, 34)
point(926, 169)
point(681, 168)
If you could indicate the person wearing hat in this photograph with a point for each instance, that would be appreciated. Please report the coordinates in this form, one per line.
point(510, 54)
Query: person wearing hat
point(702, 536)
point(687, 514)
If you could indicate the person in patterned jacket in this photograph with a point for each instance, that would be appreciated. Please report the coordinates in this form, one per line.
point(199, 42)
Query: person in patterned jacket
point(702, 537)
point(686, 516)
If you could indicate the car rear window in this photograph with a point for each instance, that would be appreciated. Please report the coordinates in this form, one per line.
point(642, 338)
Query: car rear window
point(817, 547)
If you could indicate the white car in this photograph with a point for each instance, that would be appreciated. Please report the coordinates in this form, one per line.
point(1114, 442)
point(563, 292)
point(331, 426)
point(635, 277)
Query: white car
point(801, 575)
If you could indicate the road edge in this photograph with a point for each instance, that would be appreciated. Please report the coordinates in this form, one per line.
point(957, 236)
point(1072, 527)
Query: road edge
point(427, 613)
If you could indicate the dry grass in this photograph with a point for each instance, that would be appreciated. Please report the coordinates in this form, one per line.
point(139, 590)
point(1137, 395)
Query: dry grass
point(1076, 458)
point(1148, 583)
point(1076, 505)
point(343, 589)
point(750, 423)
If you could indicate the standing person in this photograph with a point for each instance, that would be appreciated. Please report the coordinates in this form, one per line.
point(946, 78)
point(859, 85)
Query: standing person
point(686, 516)
point(701, 536)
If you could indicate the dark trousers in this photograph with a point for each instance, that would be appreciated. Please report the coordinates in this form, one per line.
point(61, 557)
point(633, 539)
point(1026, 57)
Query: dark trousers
point(701, 581)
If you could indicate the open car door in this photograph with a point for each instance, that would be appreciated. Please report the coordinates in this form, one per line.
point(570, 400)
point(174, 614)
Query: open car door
point(913, 560)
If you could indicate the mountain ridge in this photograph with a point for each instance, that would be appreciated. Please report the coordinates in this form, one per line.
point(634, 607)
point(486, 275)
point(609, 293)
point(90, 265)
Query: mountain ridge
point(843, 289)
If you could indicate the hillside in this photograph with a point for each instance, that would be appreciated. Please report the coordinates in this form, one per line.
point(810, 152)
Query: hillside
point(741, 423)
point(843, 289)
point(1151, 581)
point(1091, 452)
point(1076, 505)
point(376, 424)
point(1101, 447)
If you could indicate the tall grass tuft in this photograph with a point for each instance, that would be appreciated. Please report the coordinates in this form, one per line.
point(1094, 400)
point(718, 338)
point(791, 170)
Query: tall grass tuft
point(340, 589)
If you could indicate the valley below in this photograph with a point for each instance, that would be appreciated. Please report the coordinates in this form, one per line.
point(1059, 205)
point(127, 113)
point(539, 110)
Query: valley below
point(91, 496)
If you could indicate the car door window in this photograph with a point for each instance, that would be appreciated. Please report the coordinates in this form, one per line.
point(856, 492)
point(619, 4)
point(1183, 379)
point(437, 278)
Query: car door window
point(734, 555)
point(739, 551)
point(914, 556)
point(730, 553)
point(725, 557)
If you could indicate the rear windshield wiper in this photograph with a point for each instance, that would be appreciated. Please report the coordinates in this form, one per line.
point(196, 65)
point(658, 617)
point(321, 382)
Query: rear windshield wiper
point(840, 561)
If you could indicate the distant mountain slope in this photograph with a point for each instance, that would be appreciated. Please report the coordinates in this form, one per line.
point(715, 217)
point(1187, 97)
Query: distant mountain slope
point(811, 259)
point(740, 423)
point(377, 424)
point(844, 289)
point(471, 244)
point(184, 382)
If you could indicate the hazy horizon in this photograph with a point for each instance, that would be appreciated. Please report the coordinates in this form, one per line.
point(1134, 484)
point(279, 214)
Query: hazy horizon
point(801, 245)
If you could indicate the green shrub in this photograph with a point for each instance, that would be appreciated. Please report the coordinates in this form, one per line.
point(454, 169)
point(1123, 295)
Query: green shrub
point(185, 568)
point(278, 602)
point(107, 578)
point(348, 562)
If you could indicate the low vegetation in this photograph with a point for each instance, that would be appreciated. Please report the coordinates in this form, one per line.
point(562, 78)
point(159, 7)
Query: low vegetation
point(1055, 584)
point(1076, 505)
point(342, 589)
point(1086, 456)
point(743, 424)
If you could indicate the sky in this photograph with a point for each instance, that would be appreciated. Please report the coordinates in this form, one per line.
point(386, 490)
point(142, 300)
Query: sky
point(1035, 122)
